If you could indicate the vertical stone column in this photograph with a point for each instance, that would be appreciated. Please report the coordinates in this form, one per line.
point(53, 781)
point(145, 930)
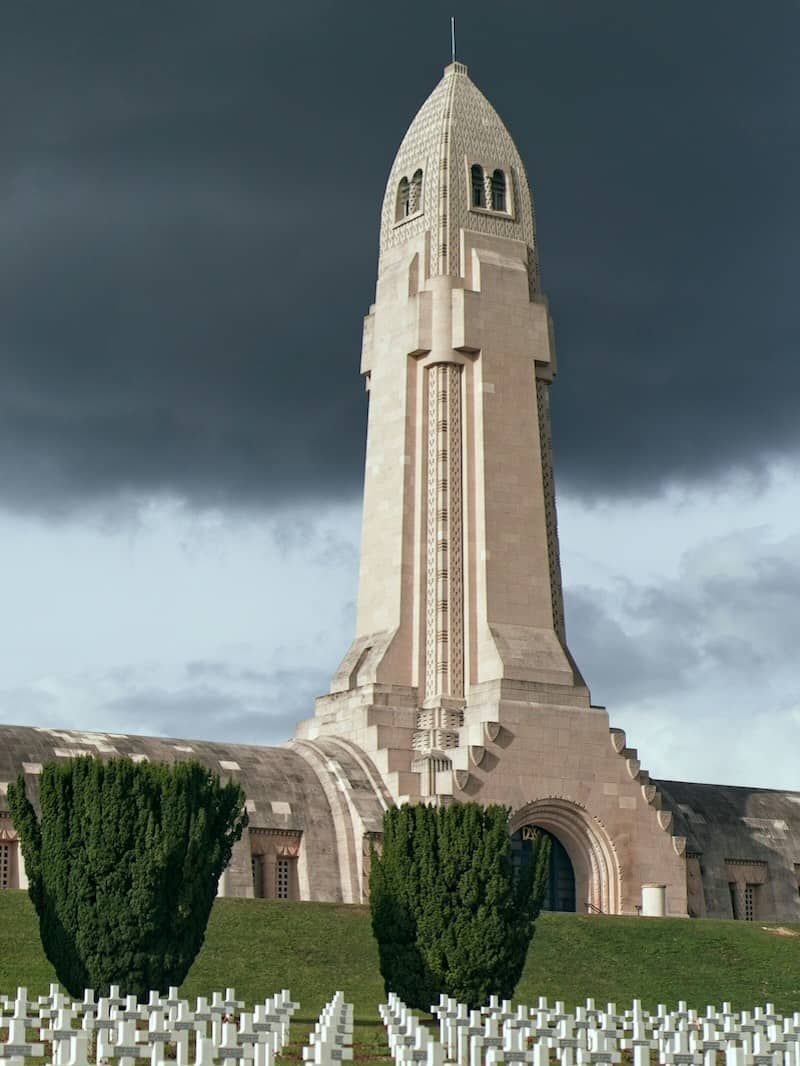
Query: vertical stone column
point(444, 621)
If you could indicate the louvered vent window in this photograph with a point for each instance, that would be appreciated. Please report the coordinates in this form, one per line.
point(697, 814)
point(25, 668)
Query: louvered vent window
point(749, 902)
point(282, 879)
point(5, 865)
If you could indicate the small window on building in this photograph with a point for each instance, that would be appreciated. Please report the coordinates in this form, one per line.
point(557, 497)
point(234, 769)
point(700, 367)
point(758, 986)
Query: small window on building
point(745, 877)
point(478, 186)
point(498, 191)
point(415, 193)
point(257, 868)
point(749, 902)
point(403, 208)
point(283, 878)
point(5, 865)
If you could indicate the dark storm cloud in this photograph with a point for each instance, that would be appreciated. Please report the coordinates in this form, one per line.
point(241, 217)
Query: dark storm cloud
point(189, 201)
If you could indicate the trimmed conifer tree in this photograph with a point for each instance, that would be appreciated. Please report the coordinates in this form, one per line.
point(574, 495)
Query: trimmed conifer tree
point(123, 865)
point(449, 913)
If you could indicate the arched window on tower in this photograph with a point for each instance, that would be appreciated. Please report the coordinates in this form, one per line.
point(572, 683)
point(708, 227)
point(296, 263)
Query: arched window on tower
point(498, 191)
point(415, 193)
point(402, 209)
point(478, 187)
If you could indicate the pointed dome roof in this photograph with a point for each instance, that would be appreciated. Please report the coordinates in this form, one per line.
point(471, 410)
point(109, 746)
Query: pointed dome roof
point(455, 129)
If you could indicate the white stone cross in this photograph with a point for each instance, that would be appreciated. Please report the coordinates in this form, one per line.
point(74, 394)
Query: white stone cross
point(680, 1052)
point(181, 1023)
point(465, 1035)
point(202, 1016)
point(78, 1050)
point(734, 1054)
point(601, 1049)
point(480, 1044)
point(128, 1048)
point(17, 1047)
point(515, 1046)
point(159, 1035)
point(113, 997)
point(272, 1031)
point(710, 1044)
point(131, 1011)
point(105, 1026)
point(457, 1023)
point(218, 1012)
point(61, 1034)
point(204, 1052)
point(428, 1052)
point(764, 1052)
point(639, 1043)
point(229, 1049)
point(444, 1010)
point(172, 999)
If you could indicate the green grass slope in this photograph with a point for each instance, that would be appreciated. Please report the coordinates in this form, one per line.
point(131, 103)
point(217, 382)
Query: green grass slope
point(259, 946)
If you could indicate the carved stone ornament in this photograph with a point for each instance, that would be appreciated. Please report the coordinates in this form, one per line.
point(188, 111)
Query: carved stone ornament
point(477, 753)
point(617, 739)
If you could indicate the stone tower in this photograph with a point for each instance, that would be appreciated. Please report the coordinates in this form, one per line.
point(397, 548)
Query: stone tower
point(459, 683)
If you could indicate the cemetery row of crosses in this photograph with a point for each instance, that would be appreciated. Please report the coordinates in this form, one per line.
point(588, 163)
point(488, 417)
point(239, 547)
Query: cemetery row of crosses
point(115, 1028)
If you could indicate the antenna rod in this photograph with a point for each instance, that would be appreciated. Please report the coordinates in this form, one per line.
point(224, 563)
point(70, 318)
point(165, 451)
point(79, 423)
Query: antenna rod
point(453, 36)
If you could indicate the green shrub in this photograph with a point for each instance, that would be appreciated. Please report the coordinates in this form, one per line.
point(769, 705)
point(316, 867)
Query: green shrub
point(448, 911)
point(123, 866)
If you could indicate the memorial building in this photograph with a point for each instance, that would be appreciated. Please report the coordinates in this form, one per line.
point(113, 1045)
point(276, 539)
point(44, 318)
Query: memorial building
point(459, 684)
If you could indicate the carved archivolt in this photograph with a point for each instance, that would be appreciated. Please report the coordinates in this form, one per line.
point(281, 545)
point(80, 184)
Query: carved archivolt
point(594, 860)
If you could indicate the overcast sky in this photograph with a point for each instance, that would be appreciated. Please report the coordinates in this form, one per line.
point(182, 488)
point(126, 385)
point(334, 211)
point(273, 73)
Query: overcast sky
point(189, 202)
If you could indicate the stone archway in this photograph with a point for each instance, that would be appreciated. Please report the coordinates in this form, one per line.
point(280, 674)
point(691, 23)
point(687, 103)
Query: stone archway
point(588, 845)
point(559, 891)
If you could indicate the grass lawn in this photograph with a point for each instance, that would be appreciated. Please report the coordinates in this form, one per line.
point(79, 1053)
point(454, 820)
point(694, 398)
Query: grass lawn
point(261, 946)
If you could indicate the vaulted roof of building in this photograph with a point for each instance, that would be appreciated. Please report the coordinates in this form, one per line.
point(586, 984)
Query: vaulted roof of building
point(745, 823)
point(284, 790)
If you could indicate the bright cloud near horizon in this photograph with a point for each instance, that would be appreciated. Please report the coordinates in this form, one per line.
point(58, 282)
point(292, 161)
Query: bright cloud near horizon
point(190, 225)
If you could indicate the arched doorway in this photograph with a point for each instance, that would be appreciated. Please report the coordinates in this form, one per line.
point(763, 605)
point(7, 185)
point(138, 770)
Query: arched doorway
point(588, 848)
point(559, 892)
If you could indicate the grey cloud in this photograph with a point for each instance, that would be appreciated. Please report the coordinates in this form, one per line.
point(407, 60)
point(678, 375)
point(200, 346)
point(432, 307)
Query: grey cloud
point(189, 206)
point(203, 712)
point(206, 699)
point(219, 699)
point(729, 620)
point(619, 664)
point(211, 669)
point(303, 530)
